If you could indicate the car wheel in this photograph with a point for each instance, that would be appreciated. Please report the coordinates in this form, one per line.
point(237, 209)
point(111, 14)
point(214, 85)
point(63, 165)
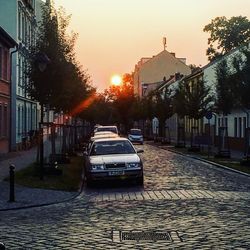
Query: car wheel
point(140, 181)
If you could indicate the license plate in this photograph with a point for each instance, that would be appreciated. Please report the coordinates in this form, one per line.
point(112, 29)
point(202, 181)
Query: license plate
point(114, 173)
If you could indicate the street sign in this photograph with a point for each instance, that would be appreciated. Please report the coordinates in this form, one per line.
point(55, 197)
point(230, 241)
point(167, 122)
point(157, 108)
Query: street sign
point(209, 115)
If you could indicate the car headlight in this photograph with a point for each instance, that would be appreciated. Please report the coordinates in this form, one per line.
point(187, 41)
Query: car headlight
point(97, 167)
point(133, 165)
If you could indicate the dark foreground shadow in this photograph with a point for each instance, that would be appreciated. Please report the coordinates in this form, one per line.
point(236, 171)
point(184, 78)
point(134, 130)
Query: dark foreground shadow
point(114, 186)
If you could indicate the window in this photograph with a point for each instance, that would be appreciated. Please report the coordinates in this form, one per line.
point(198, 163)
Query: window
point(235, 127)
point(5, 65)
point(1, 65)
point(225, 122)
point(19, 22)
point(1, 120)
point(5, 121)
point(19, 120)
point(23, 28)
point(240, 127)
point(244, 126)
point(19, 71)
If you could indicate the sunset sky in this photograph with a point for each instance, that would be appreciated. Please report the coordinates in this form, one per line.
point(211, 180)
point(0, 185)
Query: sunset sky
point(115, 34)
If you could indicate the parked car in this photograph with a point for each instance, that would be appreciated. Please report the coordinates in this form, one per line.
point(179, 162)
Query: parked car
point(96, 126)
point(135, 135)
point(103, 133)
point(113, 158)
point(98, 135)
point(107, 128)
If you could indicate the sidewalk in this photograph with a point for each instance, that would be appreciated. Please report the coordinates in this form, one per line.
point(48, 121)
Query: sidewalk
point(231, 164)
point(26, 197)
point(19, 159)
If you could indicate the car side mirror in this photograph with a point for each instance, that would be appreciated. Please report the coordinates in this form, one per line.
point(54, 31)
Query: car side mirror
point(139, 150)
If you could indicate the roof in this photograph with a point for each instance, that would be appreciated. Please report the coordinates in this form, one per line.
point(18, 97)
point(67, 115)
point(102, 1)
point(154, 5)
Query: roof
point(104, 136)
point(6, 39)
point(170, 54)
point(225, 55)
point(111, 139)
point(172, 79)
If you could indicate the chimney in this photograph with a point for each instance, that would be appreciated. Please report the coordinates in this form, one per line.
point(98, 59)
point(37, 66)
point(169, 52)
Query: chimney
point(172, 53)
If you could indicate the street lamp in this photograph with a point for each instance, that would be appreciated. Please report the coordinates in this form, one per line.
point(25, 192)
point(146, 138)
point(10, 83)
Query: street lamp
point(41, 61)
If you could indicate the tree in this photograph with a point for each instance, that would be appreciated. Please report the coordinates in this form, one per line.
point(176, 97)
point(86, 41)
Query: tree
point(225, 88)
point(99, 110)
point(63, 84)
point(241, 79)
point(122, 98)
point(193, 101)
point(226, 34)
point(163, 108)
point(115, 105)
point(233, 83)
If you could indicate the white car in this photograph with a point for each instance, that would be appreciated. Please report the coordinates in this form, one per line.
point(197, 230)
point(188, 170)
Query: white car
point(107, 128)
point(135, 135)
point(113, 158)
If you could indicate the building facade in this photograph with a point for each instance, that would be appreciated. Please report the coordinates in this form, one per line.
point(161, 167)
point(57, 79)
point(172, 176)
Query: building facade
point(6, 43)
point(150, 72)
point(19, 19)
point(238, 120)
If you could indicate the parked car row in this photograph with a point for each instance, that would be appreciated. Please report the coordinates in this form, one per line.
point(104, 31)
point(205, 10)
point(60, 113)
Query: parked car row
point(109, 156)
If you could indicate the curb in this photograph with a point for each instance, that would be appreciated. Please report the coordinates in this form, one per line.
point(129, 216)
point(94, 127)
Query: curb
point(46, 204)
point(204, 160)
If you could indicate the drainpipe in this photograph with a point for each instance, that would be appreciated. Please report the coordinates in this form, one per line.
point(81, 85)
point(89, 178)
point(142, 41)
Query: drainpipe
point(11, 104)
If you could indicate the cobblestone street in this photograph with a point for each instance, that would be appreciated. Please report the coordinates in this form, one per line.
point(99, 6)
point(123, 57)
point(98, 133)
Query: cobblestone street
point(192, 204)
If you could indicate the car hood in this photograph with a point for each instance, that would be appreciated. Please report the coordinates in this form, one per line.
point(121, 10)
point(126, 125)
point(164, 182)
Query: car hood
point(121, 158)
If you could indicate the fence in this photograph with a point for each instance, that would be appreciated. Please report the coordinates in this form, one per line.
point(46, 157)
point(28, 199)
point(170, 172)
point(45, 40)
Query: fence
point(60, 139)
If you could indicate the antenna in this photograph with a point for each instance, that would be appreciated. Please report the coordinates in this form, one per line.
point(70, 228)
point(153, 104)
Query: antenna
point(164, 43)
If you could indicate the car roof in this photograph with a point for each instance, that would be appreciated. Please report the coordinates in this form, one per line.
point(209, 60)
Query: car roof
point(104, 133)
point(112, 139)
point(137, 129)
point(111, 135)
point(107, 126)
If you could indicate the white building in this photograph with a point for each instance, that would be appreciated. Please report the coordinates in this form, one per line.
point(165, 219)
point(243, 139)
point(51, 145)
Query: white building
point(19, 19)
point(238, 120)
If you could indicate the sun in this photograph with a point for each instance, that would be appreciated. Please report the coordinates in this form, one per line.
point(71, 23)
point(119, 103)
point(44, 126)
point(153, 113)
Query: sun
point(116, 80)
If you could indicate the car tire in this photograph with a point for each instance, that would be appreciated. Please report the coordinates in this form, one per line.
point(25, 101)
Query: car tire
point(140, 181)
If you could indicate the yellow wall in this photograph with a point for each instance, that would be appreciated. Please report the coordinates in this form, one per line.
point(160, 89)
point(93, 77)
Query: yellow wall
point(162, 65)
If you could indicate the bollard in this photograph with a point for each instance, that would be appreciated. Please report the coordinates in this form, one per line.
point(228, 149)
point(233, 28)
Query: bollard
point(12, 183)
point(2, 246)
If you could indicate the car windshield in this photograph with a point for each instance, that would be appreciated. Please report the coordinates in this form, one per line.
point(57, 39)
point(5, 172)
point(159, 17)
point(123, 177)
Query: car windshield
point(112, 147)
point(111, 129)
point(135, 132)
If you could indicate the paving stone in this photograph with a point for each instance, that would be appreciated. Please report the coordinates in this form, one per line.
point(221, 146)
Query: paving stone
point(203, 207)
